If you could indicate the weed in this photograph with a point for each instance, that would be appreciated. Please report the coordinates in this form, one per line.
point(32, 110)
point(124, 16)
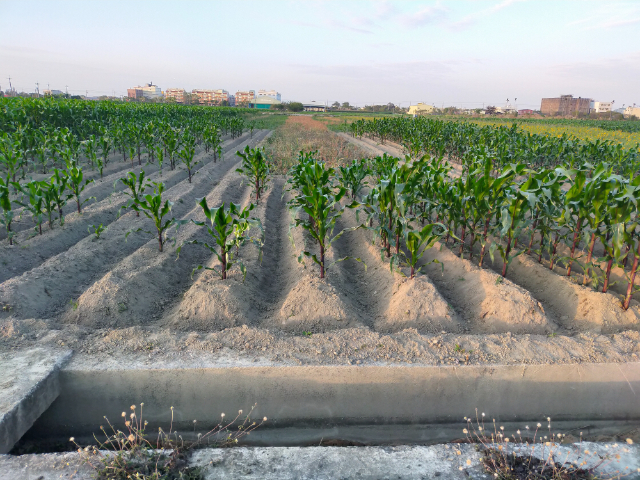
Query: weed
point(131, 453)
point(307, 334)
point(74, 304)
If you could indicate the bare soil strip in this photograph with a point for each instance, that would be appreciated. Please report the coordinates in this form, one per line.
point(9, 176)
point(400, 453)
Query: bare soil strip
point(67, 275)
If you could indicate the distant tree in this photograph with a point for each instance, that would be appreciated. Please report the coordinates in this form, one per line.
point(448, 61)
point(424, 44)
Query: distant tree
point(295, 107)
point(346, 105)
point(277, 106)
point(490, 110)
point(391, 107)
point(335, 105)
point(224, 103)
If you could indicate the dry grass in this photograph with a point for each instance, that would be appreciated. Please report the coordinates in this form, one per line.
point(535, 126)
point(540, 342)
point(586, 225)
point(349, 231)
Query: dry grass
point(303, 133)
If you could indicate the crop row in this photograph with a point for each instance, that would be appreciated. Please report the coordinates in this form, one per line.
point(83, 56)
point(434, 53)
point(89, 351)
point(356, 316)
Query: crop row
point(469, 142)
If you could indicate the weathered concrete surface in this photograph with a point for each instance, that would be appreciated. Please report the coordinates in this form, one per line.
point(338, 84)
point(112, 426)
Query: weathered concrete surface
point(337, 397)
point(29, 383)
point(452, 461)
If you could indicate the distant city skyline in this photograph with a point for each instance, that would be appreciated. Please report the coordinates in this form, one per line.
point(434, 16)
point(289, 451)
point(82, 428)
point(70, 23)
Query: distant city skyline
point(464, 54)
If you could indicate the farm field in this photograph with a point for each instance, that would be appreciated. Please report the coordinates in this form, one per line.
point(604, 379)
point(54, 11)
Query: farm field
point(115, 293)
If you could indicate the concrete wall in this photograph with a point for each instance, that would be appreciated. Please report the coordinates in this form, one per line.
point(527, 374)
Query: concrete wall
point(565, 105)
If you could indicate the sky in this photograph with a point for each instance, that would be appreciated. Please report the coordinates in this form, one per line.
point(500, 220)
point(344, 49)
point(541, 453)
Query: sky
point(465, 53)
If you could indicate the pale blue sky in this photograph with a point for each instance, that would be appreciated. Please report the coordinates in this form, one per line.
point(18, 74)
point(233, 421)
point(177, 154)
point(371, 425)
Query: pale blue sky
point(464, 53)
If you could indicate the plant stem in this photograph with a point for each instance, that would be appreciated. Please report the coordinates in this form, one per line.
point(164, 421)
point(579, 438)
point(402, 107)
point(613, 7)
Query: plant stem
point(632, 278)
point(586, 270)
point(576, 234)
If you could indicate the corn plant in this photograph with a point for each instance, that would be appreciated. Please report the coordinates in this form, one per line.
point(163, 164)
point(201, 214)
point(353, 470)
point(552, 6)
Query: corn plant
point(417, 242)
point(187, 154)
point(35, 204)
point(159, 154)
point(316, 208)
point(10, 157)
point(255, 168)
point(136, 187)
point(7, 212)
point(91, 152)
point(56, 188)
point(228, 228)
point(75, 179)
point(105, 148)
point(352, 177)
point(153, 208)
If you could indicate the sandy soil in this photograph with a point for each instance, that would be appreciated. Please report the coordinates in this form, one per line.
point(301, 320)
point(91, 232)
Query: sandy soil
point(108, 297)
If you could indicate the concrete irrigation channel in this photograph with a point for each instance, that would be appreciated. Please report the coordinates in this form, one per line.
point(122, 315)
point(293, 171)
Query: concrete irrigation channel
point(306, 405)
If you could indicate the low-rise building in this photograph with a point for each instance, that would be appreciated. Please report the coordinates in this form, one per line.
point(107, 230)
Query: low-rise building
point(175, 93)
point(632, 110)
point(264, 102)
point(244, 98)
point(314, 107)
point(600, 107)
point(53, 92)
point(565, 105)
point(526, 111)
point(421, 109)
point(211, 97)
point(269, 93)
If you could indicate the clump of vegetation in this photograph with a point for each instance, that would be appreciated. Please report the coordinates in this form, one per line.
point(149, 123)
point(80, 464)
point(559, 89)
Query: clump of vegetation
point(501, 460)
point(304, 133)
point(133, 453)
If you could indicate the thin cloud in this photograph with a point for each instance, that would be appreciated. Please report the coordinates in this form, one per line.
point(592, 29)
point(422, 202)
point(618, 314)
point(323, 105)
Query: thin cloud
point(474, 17)
point(425, 16)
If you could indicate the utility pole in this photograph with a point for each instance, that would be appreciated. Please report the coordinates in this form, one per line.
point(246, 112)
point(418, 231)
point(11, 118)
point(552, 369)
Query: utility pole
point(66, 88)
point(37, 90)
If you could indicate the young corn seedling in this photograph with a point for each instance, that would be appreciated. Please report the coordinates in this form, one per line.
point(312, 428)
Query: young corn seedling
point(255, 168)
point(153, 208)
point(227, 227)
point(105, 148)
point(187, 154)
point(417, 242)
point(97, 230)
point(75, 178)
point(7, 212)
point(136, 187)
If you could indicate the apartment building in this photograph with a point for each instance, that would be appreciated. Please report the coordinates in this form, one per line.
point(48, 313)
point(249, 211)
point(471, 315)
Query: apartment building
point(600, 107)
point(177, 93)
point(211, 97)
point(269, 93)
point(245, 98)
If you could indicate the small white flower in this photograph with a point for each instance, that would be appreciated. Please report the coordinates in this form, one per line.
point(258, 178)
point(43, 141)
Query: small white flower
point(239, 412)
point(629, 441)
point(264, 419)
point(464, 430)
point(222, 415)
point(548, 419)
point(72, 439)
point(518, 432)
point(539, 425)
